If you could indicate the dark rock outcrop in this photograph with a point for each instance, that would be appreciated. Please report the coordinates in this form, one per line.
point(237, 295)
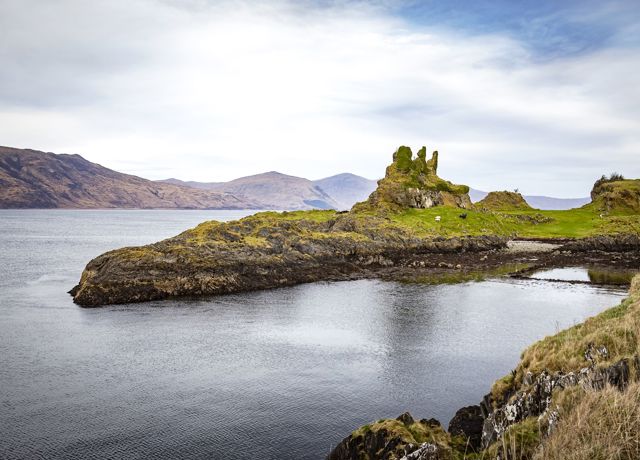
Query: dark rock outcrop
point(399, 439)
point(467, 423)
point(607, 243)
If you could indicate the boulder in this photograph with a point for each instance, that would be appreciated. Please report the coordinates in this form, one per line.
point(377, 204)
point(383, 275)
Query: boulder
point(468, 422)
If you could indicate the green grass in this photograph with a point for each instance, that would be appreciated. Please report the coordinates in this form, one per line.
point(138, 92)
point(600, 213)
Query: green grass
point(316, 215)
point(573, 223)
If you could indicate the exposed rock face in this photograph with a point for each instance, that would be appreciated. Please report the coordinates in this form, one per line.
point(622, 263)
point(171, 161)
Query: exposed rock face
point(503, 201)
point(399, 439)
point(534, 398)
point(468, 423)
point(262, 251)
point(414, 183)
point(426, 451)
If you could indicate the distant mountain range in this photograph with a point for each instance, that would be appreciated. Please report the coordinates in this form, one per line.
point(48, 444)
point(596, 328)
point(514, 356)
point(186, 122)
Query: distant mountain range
point(274, 190)
point(539, 202)
point(34, 179)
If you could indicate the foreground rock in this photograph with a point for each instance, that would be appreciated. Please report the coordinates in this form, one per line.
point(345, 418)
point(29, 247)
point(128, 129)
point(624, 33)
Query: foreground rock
point(399, 439)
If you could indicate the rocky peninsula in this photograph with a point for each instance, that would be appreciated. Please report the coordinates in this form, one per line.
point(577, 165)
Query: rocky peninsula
point(414, 226)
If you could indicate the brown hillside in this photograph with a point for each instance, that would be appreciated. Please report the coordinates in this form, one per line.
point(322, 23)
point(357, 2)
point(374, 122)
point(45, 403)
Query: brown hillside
point(34, 179)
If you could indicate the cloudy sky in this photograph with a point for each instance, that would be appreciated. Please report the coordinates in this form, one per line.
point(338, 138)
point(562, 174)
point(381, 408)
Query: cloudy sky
point(540, 95)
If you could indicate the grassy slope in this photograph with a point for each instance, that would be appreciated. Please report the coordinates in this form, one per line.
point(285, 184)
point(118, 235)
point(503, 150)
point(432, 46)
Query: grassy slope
point(593, 424)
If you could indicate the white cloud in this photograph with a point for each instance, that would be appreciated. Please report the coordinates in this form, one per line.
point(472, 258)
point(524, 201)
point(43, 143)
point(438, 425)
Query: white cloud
point(215, 92)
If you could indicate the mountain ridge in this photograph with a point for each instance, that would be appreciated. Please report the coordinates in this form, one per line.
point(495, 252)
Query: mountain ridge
point(71, 181)
point(35, 179)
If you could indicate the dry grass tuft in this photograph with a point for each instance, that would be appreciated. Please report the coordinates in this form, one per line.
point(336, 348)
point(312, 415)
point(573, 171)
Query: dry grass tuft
point(600, 425)
point(617, 329)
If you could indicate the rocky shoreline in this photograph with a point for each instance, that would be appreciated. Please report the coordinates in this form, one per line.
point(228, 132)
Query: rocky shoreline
point(261, 252)
point(529, 403)
point(233, 257)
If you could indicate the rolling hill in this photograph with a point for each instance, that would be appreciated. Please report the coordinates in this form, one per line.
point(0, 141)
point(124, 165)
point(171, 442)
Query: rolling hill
point(346, 188)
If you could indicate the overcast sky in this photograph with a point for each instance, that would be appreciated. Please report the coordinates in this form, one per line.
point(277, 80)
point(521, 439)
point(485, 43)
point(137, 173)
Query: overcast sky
point(542, 96)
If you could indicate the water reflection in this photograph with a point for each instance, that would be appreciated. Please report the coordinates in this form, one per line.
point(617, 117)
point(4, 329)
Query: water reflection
point(595, 275)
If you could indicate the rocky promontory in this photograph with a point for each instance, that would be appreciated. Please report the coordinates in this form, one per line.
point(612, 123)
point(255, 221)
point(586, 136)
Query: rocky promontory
point(263, 251)
point(268, 250)
point(414, 225)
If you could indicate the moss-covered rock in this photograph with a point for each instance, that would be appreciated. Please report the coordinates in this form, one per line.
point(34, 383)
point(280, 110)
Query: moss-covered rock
point(616, 196)
point(413, 182)
point(504, 201)
point(395, 439)
point(262, 251)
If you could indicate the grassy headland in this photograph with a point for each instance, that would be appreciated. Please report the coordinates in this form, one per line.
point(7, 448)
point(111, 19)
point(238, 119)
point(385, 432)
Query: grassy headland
point(412, 212)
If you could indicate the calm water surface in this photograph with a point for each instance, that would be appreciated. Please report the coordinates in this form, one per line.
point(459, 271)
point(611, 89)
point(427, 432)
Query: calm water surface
point(281, 374)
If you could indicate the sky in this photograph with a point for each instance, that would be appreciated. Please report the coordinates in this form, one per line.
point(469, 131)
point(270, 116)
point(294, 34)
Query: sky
point(542, 96)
